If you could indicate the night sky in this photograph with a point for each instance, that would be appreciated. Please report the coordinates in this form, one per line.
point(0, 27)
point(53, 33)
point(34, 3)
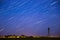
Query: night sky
point(30, 17)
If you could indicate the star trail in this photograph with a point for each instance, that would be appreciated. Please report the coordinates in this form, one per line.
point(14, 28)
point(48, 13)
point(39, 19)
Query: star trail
point(30, 17)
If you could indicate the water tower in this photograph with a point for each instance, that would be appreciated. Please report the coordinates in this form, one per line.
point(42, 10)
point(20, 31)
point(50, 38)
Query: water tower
point(48, 31)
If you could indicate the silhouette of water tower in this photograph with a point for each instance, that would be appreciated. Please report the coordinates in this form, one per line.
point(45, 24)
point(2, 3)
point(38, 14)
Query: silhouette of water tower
point(48, 31)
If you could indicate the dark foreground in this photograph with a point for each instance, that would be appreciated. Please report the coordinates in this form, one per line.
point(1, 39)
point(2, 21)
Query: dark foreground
point(31, 38)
